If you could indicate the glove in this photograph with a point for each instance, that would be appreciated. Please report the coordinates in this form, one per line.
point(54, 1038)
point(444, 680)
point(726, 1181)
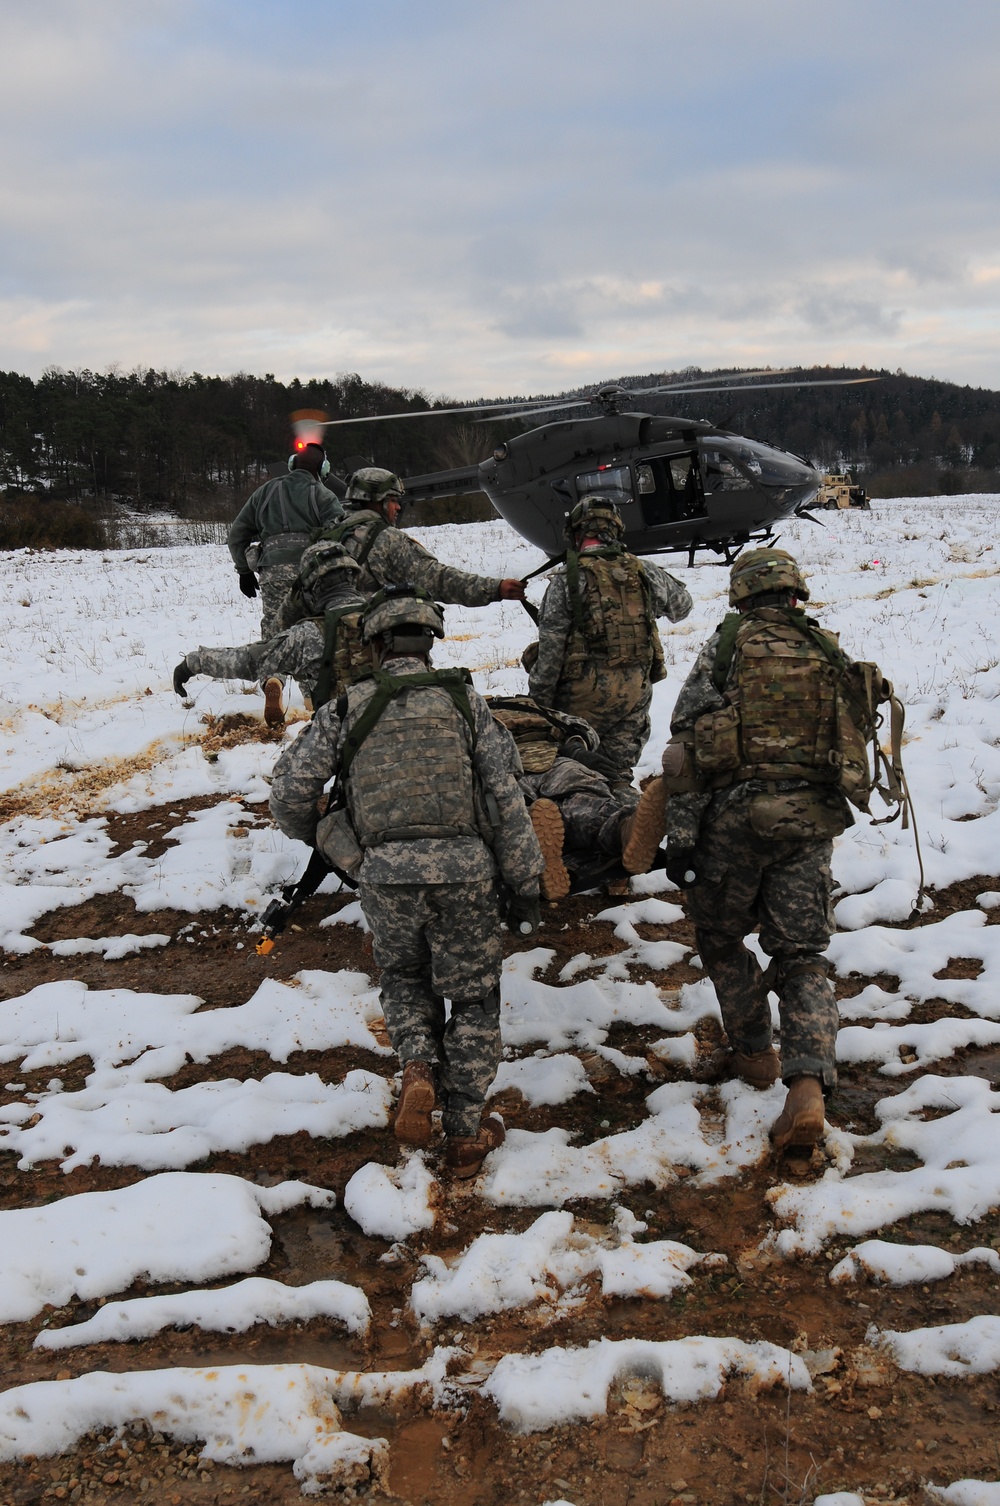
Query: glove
point(181, 676)
point(511, 590)
point(524, 914)
point(248, 583)
point(680, 868)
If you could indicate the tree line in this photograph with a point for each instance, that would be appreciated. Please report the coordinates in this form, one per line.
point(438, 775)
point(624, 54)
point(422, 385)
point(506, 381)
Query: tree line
point(198, 445)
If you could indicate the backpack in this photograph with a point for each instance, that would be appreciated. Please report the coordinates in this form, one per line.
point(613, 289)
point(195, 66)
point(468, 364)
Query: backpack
point(612, 613)
point(799, 709)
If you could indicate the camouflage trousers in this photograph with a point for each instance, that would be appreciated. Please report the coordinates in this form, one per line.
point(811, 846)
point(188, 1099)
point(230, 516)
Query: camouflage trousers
point(616, 704)
point(432, 942)
point(784, 887)
point(275, 582)
point(592, 816)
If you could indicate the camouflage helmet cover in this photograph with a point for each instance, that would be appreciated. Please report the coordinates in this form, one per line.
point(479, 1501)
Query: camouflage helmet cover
point(597, 514)
point(371, 485)
point(326, 558)
point(397, 607)
point(764, 571)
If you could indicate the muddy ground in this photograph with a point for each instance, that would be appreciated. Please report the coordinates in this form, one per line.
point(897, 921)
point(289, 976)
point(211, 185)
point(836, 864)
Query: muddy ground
point(881, 1433)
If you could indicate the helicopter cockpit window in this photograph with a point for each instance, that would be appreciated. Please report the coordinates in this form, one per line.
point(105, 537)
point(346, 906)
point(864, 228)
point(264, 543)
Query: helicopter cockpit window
point(612, 481)
point(670, 489)
point(722, 475)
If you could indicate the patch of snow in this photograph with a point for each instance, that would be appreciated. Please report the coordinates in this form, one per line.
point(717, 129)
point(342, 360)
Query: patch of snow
point(181, 1226)
point(903, 1265)
point(225, 1309)
point(391, 1202)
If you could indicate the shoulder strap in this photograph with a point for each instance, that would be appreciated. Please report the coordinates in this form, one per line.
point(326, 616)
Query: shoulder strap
point(331, 626)
point(728, 628)
point(454, 681)
point(339, 532)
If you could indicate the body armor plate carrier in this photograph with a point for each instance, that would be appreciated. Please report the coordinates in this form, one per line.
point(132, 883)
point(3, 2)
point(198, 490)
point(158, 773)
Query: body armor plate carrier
point(406, 758)
point(612, 613)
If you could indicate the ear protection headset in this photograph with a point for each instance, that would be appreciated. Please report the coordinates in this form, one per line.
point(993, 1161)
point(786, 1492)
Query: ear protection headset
point(324, 469)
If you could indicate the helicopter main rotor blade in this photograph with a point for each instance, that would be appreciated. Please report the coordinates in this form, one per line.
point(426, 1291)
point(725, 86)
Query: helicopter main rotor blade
point(763, 386)
point(742, 376)
point(581, 402)
point(492, 411)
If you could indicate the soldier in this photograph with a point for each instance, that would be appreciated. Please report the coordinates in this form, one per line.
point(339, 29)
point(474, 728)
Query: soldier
point(599, 652)
point(752, 808)
point(390, 557)
point(323, 650)
point(282, 515)
point(586, 832)
point(426, 811)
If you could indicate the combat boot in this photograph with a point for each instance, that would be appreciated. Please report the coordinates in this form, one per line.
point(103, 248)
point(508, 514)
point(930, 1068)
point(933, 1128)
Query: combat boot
point(274, 712)
point(802, 1118)
point(416, 1105)
point(550, 831)
point(645, 828)
point(760, 1069)
point(464, 1154)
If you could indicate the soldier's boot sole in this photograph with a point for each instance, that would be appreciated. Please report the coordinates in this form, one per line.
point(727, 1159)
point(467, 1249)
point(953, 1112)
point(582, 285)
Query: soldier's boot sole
point(413, 1125)
point(274, 711)
point(801, 1121)
point(464, 1154)
point(550, 831)
point(645, 829)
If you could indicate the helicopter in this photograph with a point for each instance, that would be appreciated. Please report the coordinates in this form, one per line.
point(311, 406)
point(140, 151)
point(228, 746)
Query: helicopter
point(680, 484)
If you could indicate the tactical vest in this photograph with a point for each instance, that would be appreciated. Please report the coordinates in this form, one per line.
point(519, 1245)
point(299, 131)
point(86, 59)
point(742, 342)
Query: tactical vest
point(612, 615)
point(346, 533)
point(406, 758)
point(787, 715)
point(345, 657)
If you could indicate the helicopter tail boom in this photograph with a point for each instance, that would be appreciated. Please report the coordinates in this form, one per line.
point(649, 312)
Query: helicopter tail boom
point(436, 484)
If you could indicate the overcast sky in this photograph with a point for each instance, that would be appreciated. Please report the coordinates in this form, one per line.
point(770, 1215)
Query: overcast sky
point(519, 196)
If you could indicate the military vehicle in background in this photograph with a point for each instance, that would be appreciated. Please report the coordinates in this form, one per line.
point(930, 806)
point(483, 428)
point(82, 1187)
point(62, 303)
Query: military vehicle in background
point(839, 490)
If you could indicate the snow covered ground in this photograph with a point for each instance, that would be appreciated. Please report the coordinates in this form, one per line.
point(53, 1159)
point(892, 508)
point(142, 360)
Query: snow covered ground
point(90, 731)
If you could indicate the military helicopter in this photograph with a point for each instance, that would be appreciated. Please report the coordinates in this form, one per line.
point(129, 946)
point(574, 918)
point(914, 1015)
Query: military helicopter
point(680, 484)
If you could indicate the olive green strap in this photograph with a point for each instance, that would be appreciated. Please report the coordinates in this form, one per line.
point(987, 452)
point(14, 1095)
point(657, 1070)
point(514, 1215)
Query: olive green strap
point(726, 647)
point(331, 627)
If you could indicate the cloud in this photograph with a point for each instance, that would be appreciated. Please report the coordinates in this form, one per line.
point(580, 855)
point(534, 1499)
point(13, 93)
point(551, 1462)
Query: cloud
point(472, 201)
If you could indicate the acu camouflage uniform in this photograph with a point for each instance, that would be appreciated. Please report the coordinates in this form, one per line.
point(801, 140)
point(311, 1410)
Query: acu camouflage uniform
point(389, 557)
point(599, 651)
point(282, 514)
point(761, 829)
point(437, 811)
point(324, 654)
point(592, 815)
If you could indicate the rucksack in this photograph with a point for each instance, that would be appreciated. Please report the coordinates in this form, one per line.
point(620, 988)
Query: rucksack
point(613, 615)
point(799, 709)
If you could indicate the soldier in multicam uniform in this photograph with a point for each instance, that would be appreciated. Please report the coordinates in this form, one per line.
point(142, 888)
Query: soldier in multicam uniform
point(752, 807)
point(390, 557)
point(281, 515)
point(599, 652)
point(430, 813)
point(322, 651)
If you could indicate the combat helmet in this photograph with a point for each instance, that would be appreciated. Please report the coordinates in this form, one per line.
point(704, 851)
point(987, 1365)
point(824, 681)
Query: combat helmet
point(326, 570)
point(598, 516)
point(406, 616)
point(371, 485)
point(766, 572)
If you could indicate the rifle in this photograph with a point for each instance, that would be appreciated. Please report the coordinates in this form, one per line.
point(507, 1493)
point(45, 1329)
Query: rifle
point(280, 912)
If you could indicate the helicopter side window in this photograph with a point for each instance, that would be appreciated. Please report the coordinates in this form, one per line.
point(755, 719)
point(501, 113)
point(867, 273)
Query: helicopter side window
point(612, 481)
point(669, 488)
point(721, 475)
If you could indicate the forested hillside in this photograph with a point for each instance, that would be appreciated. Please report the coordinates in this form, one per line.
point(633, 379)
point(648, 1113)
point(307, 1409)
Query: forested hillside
point(198, 444)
